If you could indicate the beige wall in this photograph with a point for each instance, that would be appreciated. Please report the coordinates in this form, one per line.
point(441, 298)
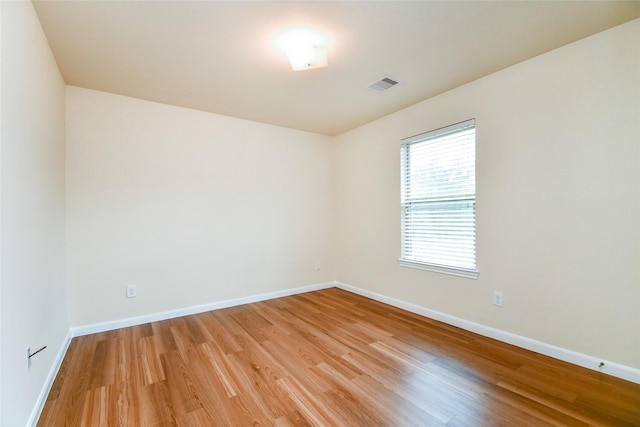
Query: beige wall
point(558, 176)
point(167, 198)
point(191, 207)
point(32, 280)
point(197, 208)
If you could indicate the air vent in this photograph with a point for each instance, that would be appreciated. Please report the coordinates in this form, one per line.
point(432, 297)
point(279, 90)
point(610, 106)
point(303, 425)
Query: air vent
point(383, 84)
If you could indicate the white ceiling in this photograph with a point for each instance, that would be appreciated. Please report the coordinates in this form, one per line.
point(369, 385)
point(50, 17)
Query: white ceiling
point(220, 57)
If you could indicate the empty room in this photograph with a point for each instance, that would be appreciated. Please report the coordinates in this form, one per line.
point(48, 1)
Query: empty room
point(322, 213)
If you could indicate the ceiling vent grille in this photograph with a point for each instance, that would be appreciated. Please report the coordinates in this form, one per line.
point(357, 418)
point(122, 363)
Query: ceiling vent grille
point(383, 83)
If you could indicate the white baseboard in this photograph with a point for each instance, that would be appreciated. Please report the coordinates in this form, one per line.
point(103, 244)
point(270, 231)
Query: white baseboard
point(171, 314)
point(139, 320)
point(586, 361)
point(593, 363)
point(48, 383)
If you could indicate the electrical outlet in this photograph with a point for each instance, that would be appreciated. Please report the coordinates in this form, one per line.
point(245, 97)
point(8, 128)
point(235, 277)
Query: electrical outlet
point(498, 298)
point(28, 357)
point(316, 266)
point(131, 291)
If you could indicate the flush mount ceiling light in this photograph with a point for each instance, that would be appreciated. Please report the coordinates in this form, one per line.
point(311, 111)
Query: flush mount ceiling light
point(305, 48)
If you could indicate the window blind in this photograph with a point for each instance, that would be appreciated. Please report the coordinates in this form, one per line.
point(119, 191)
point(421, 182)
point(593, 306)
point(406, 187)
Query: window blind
point(438, 200)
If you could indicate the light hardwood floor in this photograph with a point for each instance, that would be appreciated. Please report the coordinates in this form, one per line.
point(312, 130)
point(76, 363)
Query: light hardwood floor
point(325, 358)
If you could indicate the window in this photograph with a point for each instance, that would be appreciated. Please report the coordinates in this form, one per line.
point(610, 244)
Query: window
point(438, 200)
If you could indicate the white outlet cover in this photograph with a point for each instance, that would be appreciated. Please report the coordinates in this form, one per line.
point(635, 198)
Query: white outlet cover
point(498, 298)
point(131, 291)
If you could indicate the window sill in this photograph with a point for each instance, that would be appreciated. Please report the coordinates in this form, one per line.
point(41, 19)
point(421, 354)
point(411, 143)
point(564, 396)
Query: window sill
point(470, 274)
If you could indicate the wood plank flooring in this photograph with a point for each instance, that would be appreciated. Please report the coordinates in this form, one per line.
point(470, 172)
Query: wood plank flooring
point(325, 358)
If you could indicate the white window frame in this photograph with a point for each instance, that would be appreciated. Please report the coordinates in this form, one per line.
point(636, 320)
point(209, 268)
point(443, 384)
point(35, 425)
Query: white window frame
point(409, 198)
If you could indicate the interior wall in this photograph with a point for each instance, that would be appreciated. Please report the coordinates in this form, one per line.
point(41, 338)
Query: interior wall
point(558, 199)
point(32, 232)
point(191, 207)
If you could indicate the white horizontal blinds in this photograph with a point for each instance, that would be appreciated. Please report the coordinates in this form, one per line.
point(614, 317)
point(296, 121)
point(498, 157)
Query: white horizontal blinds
point(438, 197)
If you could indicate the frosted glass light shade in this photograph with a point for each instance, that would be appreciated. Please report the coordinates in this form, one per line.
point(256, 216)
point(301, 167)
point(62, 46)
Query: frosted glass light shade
point(307, 57)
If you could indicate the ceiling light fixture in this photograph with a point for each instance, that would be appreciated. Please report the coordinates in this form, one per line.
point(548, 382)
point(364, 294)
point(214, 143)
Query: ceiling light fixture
point(305, 48)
